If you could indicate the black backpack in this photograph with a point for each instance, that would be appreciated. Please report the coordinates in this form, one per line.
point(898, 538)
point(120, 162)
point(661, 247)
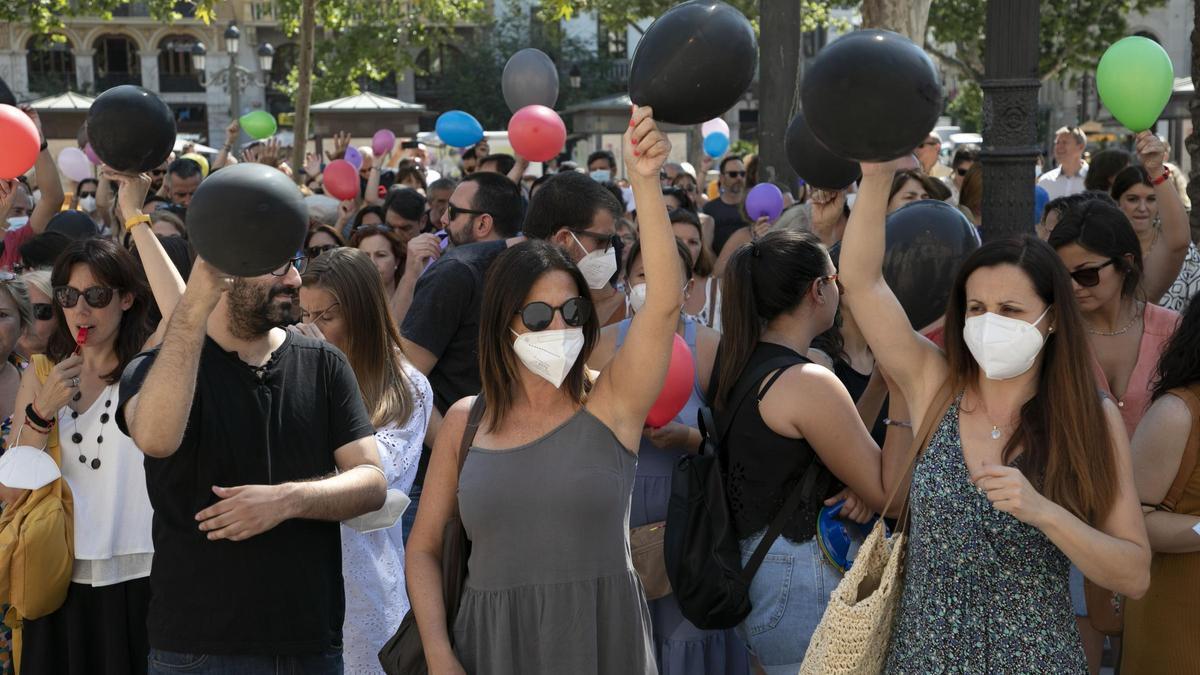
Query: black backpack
point(701, 549)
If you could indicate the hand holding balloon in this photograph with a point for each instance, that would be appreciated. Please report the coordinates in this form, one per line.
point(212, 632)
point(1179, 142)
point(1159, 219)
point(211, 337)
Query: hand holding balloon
point(646, 148)
point(889, 168)
point(132, 195)
point(1151, 152)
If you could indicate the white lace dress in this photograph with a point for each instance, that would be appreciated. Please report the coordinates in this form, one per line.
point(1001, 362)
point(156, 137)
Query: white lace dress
point(373, 563)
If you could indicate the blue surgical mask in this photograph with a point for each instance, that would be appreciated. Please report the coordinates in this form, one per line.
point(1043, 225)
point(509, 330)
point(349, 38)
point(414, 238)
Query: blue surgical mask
point(17, 221)
point(601, 175)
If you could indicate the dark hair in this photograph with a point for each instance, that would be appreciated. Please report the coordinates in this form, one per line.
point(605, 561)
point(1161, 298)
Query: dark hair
point(605, 155)
point(362, 213)
point(1104, 167)
point(441, 184)
point(936, 189)
point(539, 182)
point(685, 200)
point(706, 261)
point(615, 191)
point(93, 181)
point(685, 255)
point(1068, 452)
point(971, 193)
point(184, 168)
point(469, 153)
point(406, 203)
point(156, 198)
point(762, 280)
point(410, 172)
point(728, 159)
point(41, 250)
point(115, 267)
point(965, 153)
point(500, 198)
point(182, 256)
point(399, 247)
point(568, 200)
point(1178, 365)
point(1103, 229)
point(508, 281)
point(504, 162)
point(337, 236)
point(1060, 205)
point(1127, 178)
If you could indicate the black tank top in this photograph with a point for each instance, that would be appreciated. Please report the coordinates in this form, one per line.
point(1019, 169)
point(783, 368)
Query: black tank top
point(762, 468)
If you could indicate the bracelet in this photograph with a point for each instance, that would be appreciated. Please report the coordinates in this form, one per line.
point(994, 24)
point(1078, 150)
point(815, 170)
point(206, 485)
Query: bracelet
point(41, 430)
point(38, 420)
point(1163, 178)
point(136, 220)
point(887, 421)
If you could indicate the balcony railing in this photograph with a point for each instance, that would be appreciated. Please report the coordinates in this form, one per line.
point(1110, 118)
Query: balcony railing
point(179, 83)
point(105, 82)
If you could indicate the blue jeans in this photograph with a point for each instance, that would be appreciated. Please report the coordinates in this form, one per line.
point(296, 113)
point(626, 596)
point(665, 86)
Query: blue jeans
point(788, 597)
point(170, 663)
point(410, 514)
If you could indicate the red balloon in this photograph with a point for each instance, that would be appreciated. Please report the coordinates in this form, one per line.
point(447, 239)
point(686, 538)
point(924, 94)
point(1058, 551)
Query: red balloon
point(537, 133)
point(677, 388)
point(19, 142)
point(341, 179)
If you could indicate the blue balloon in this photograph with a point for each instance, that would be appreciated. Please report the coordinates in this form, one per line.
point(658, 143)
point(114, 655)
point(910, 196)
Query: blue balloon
point(715, 144)
point(1040, 198)
point(459, 129)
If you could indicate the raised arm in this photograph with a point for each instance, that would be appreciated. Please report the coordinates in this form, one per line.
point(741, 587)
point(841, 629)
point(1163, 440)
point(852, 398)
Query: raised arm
point(1158, 446)
point(231, 136)
point(1165, 258)
point(913, 362)
point(629, 386)
point(49, 182)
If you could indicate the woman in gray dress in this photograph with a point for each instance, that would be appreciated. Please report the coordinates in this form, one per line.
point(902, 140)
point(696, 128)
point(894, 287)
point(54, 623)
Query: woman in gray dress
point(1029, 469)
point(544, 492)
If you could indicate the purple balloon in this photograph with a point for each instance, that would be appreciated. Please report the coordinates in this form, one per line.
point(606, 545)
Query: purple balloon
point(764, 200)
point(383, 142)
point(354, 157)
point(91, 154)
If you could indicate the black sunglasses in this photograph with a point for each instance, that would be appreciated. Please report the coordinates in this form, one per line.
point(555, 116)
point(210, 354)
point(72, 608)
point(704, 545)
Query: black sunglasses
point(85, 195)
point(736, 174)
point(603, 241)
point(538, 315)
point(456, 211)
point(1090, 276)
point(97, 297)
point(316, 251)
point(300, 262)
point(43, 311)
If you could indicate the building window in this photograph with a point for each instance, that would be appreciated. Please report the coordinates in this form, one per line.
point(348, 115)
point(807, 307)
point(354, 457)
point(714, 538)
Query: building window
point(116, 62)
point(611, 42)
point(51, 66)
point(432, 63)
point(175, 71)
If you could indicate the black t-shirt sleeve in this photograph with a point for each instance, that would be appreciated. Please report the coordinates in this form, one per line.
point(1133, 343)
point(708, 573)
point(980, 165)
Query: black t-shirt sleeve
point(442, 296)
point(348, 419)
point(131, 383)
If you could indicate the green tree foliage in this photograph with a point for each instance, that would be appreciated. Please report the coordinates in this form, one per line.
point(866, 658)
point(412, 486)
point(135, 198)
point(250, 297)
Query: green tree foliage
point(967, 106)
point(814, 13)
point(45, 17)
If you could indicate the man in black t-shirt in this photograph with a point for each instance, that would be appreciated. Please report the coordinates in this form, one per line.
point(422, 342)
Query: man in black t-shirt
point(727, 211)
point(257, 444)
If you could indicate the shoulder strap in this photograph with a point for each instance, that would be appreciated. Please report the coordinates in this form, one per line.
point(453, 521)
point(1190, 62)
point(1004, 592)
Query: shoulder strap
point(473, 418)
point(749, 384)
point(1187, 463)
point(937, 409)
point(710, 300)
point(800, 494)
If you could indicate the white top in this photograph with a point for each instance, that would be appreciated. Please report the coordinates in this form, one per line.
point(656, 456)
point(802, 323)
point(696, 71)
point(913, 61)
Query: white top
point(1058, 185)
point(373, 562)
point(112, 510)
point(710, 314)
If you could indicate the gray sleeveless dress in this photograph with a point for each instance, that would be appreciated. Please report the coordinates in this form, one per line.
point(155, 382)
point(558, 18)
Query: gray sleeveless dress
point(550, 583)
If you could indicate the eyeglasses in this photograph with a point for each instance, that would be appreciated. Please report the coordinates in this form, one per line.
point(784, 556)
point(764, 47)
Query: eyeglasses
point(300, 262)
point(736, 174)
point(831, 278)
point(930, 142)
point(97, 297)
point(1090, 276)
point(455, 211)
point(308, 317)
point(538, 315)
point(43, 311)
point(603, 241)
point(316, 251)
point(85, 195)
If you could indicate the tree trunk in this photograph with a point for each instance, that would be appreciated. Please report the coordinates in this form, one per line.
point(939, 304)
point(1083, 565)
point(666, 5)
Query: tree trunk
point(1192, 143)
point(906, 17)
point(304, 90)
point(779, 76)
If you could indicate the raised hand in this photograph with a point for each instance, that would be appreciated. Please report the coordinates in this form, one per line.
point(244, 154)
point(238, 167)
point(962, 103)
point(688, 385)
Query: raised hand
point(646, 148)
point(341, 141)
point(133, 188)
point(889, 169)
point(60, 388)
point(1151, 152)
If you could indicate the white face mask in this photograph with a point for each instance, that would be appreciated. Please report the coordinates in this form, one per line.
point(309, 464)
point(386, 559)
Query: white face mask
point(637, 297)
point(549, 354)
point(18, 221)
point(87, 204)
point(598, 266)
point(1002, 346)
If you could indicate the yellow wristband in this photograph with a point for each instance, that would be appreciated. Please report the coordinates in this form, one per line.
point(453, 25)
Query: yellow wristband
point(135, 221)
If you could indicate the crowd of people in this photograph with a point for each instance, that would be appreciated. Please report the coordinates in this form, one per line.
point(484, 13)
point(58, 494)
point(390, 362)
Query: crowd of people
point(488, 345)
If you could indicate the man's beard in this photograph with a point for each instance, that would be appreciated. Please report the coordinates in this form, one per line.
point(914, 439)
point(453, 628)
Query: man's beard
point(463, 237)
point(254, 310)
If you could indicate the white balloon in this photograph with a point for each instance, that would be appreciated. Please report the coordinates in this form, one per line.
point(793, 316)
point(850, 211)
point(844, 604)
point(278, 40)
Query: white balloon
point(714, 125)
point(74, 164)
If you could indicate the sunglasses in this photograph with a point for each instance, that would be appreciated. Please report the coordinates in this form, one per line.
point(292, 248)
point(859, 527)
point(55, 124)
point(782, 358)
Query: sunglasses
point(43, 311)
point(537, 316)
point(603, 241)
point(300, 262)
point(456, 211)
point(316, 251)
point(736, 174)
point(85, 195)
point(1090, 276)
point(97, 297)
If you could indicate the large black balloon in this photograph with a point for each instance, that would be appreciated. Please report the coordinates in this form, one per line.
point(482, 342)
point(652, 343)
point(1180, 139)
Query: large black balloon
point(6, 95)
point(131, 129)
point(247, 219)
point(871, 96)
point(694, 62)
point(927, 241)
point(814, 162)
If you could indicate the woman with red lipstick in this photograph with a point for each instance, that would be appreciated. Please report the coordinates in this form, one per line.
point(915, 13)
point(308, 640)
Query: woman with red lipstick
point(100, 306)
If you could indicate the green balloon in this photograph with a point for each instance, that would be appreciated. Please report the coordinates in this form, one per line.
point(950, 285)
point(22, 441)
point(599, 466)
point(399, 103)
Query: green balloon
point(258, 124)
point(1135, 78)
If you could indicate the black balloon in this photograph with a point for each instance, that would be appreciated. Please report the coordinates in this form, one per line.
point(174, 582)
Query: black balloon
point(6, 95)
point(814, 162)
point(73, 224)
point(131, 129)
point(871, 96)
point(694, 62)
point(247, 219)
point(927, 241)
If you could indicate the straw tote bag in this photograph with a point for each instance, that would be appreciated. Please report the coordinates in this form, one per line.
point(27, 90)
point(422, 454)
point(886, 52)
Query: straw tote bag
point(856, 630)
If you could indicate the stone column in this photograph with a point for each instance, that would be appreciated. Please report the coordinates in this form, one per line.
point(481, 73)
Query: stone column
point(150, 69)
point(85, 73)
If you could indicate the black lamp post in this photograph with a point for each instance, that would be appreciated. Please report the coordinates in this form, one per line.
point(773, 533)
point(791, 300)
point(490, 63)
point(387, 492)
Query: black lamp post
point(234, 77)
point(575, 77)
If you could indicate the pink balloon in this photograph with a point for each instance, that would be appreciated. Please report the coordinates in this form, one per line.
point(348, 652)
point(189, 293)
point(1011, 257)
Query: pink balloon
point(714, 125)
point(354, 157)
point(91, 154)
point(74, 164)
point(537, 133)
point(383, 142)
point(677, 388)
point(341, 179)
point(19, 142)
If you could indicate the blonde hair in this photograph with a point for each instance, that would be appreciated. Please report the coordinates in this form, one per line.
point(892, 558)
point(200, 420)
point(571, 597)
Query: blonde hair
point(19, 293)
point(39, 279)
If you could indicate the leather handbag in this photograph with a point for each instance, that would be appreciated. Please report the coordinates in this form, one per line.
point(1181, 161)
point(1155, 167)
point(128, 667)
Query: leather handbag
point(403, 653)
point(646, 548)
point(1106, 610)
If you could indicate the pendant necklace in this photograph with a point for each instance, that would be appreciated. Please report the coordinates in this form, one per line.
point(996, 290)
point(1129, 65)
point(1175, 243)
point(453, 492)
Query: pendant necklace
point(77, 438)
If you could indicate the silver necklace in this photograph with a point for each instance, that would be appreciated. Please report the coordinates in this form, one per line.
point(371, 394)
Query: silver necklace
point(1120, 331)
